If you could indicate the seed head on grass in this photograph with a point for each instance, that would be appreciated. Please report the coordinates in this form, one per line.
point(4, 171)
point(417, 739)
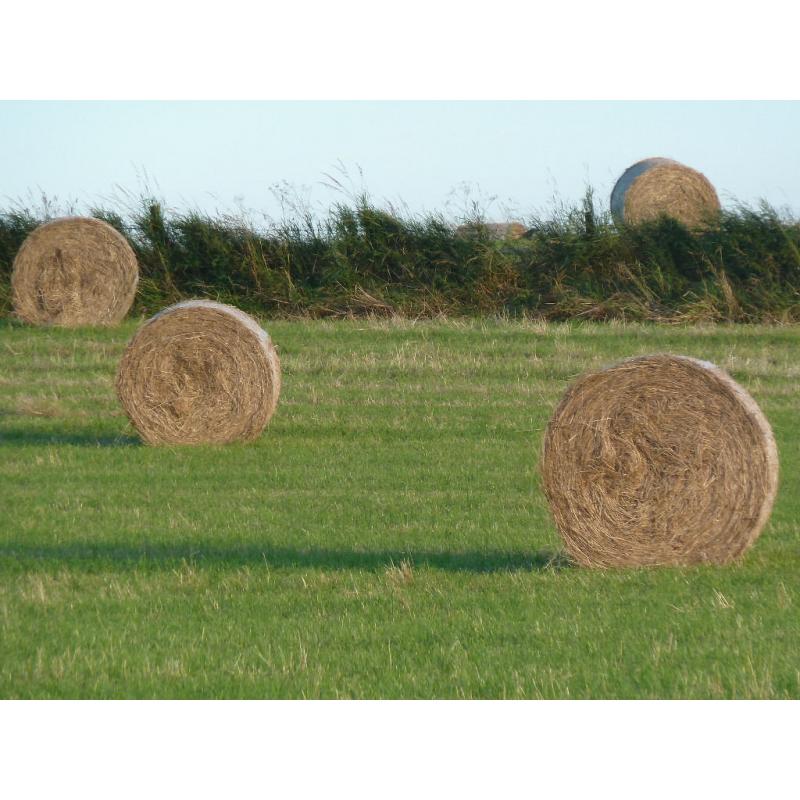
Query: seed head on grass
point(400, 574)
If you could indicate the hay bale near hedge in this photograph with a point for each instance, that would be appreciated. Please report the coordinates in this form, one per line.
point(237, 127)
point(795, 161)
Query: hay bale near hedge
point(199, 372)
point(74, 271)
point(660, 459)
point(660, 186)
point(492, 230)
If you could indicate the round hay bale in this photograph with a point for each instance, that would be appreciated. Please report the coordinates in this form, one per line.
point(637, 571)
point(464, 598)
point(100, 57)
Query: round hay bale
point(74, 271)
point(661, 459)
point(199, 372)
point(660, 186)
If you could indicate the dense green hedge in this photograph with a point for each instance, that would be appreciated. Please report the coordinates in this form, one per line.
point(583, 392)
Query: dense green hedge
point(363, 260)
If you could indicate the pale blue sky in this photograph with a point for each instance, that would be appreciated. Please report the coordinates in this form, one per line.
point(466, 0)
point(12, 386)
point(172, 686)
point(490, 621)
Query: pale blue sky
point(220, 155)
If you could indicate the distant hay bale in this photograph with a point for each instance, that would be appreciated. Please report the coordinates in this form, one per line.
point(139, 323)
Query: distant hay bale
point(660, 186)
point(74, 271)
point(199, 372)
point(492, 230)
point(660, 459)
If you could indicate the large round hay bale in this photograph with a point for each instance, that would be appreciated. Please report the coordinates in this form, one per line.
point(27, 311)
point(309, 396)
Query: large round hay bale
point(659, 460)
point(74, 271)
point(199, 372)
point(658, 187)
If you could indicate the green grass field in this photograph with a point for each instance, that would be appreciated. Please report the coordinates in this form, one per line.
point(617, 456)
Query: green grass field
point(386, 537)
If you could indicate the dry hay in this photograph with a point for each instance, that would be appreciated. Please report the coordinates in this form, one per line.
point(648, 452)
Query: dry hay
point(661, 186)
point(659, 460)
point(74, 271)
point(492, 230)
point(199, 372)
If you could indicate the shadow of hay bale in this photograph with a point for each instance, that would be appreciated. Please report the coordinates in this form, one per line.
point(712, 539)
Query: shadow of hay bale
point(22, 436)
point(164, 556)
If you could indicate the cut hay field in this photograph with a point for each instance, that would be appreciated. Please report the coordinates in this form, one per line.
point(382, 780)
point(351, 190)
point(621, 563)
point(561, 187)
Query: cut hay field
point(386, 537)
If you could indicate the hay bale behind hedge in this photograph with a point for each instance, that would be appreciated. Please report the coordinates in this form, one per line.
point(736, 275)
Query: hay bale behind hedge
point(660, 186)
point(199, 372)
point(659, 460)
point(74, 271)
point(492, 230)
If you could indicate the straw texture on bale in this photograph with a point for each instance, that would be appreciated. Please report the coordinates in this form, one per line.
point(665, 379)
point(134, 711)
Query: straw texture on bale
point(74, 271)
point(660, 186)
point(199, 372)
point(659, 460)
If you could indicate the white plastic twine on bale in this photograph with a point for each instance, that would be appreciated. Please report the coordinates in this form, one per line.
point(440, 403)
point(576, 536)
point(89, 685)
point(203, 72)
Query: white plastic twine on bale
point(199, 372)
point(657, 187)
